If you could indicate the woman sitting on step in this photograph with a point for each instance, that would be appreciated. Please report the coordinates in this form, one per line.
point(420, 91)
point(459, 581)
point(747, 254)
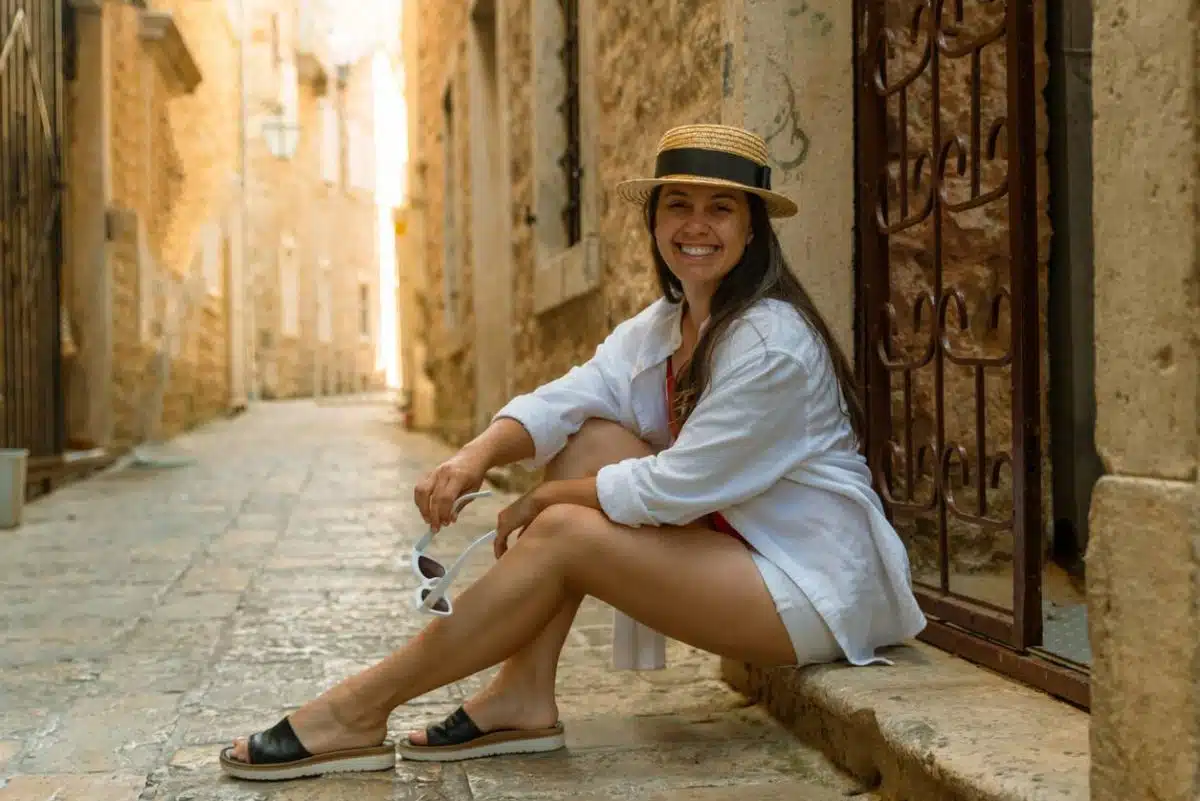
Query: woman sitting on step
point(703, 477)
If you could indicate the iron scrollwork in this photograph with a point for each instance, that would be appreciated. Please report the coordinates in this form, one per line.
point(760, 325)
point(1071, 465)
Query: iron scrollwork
point(921, 177)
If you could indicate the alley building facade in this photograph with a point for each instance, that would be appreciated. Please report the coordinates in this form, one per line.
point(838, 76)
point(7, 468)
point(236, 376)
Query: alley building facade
point(957, 230)
point(312, 245)
point(197, 226)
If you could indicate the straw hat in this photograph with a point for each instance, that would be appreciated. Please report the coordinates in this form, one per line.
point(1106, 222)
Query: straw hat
point(711, 155)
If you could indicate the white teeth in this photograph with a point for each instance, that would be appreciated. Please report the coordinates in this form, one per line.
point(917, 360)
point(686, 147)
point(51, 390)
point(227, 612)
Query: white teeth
point(697, 250)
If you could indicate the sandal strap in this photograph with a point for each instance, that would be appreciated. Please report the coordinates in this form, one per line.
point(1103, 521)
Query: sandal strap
point(456, 729)
point(277, 744)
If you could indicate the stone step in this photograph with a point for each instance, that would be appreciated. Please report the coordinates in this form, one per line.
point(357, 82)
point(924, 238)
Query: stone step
point(930, 728)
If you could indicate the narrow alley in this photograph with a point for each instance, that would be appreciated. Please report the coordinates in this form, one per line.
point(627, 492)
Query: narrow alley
point(149, 615)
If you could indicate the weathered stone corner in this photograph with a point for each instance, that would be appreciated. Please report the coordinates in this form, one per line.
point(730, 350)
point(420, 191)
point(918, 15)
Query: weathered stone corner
point(165, 43)
point(1142, 560)
point(901, 730)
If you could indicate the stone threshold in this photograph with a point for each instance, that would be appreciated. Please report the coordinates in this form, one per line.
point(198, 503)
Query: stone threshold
point(930, 728)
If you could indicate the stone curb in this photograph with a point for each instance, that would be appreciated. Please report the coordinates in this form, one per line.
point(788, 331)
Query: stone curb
point(931, 728)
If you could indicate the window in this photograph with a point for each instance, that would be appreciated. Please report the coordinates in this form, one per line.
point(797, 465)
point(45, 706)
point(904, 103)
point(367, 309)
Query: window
point(360, 147)
point(330, 142)
point(289, 288)
point(566, 194)
point(324, 305)
point(276, 41)
point(450, 199)
point(364, 310)
point(570, 159)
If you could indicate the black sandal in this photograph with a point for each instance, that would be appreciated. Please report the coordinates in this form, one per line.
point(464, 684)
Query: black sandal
point(278, 755)
point(457, 737)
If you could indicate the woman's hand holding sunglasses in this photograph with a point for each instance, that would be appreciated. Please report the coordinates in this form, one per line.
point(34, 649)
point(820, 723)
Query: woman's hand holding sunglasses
point(462, 473)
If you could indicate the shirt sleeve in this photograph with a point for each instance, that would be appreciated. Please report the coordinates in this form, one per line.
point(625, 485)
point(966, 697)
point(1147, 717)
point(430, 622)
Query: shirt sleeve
point(747, 432)
point(555, 411)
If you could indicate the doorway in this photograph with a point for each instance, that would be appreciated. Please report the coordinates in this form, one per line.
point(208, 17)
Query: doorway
point(1076, 464)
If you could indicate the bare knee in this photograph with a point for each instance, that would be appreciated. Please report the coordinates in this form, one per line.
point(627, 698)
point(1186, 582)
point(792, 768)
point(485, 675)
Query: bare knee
point(596, 444)
point(569, 532)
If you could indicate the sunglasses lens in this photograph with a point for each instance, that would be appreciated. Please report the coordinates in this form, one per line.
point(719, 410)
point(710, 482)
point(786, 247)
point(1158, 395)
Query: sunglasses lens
point(441, 606)
point(430, 568)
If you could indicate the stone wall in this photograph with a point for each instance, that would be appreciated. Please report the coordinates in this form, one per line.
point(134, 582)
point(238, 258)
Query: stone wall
point(1144, 552)
point(173, 157)
point(442, 66)
point(681, 44)
point(678, 43)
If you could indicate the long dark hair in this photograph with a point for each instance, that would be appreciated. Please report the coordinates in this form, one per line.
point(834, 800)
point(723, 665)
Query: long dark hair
point(761, 273)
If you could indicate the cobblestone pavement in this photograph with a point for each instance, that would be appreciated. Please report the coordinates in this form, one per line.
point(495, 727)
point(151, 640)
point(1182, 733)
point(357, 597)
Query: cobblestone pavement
point(148, 616)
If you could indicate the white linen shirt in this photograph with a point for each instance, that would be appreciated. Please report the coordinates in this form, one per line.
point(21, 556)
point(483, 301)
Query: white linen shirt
point(768, 445)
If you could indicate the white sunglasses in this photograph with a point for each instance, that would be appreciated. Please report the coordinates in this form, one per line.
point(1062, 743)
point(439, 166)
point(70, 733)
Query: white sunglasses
point(430, 595)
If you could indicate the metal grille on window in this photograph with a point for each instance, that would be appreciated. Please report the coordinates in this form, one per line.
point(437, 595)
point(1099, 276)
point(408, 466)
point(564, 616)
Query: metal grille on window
point(570, 160)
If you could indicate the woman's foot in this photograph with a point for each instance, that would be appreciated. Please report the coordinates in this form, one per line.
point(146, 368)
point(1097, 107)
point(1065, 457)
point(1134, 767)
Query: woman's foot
point(324, 725)
point(500, 709)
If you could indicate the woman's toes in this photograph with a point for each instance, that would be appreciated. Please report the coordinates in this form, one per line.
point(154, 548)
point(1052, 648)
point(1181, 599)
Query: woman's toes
point(417, 737)
point(241, 750)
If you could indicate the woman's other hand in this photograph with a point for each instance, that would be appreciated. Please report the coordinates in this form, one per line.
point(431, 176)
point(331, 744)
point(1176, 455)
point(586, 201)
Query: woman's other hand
point(435, 495)
point(517, 515)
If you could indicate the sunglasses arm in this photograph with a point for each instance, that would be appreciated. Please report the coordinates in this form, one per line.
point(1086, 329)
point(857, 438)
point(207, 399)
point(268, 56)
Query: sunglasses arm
point(424, 542)
point(443, 585)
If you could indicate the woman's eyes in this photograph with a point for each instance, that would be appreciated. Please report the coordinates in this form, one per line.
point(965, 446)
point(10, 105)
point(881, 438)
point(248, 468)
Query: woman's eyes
point(686, 207)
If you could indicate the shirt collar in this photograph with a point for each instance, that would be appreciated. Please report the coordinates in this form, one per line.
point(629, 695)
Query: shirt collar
point(663, 336)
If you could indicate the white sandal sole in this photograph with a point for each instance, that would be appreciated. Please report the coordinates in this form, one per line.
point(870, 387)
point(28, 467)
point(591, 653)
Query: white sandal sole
point(372, 759)
point(500, 743)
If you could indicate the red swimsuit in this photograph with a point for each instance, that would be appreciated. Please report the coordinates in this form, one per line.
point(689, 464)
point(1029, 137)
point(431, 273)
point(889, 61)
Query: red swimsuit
point(716, 519)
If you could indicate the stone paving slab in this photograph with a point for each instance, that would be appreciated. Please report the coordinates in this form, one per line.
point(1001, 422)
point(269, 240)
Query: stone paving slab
point(149, 616)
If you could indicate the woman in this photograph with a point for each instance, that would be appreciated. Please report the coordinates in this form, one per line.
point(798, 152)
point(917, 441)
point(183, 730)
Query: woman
point(702, 476)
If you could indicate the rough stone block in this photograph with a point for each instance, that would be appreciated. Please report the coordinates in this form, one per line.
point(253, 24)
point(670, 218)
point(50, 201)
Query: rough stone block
point(1147, 232)
point(902, 730)
point(1143, 588)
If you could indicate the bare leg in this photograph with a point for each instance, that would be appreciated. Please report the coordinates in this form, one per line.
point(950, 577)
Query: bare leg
point(717, 602)
point(521, 696)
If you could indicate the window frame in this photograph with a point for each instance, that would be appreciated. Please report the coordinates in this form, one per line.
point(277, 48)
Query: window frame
point(564, 271)
point(452, 216)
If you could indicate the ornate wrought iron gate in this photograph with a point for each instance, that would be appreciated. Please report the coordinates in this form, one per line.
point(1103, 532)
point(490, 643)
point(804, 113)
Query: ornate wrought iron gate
point(31, 189)
point(949, 310)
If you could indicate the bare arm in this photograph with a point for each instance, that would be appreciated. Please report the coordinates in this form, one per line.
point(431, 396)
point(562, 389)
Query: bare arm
point(503, 442)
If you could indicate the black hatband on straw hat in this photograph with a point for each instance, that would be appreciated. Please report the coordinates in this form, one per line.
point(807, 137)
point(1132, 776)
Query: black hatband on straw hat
point(712, 164)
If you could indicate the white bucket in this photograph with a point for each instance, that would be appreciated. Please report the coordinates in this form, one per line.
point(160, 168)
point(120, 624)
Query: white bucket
point(13, 464)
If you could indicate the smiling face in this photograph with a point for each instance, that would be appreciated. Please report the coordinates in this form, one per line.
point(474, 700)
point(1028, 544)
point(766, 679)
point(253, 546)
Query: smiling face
point(701, 232)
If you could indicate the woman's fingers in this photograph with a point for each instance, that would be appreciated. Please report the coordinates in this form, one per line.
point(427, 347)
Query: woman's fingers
point(450, 486)
point(437, 493)
point(503, 529)
point(421, 496)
